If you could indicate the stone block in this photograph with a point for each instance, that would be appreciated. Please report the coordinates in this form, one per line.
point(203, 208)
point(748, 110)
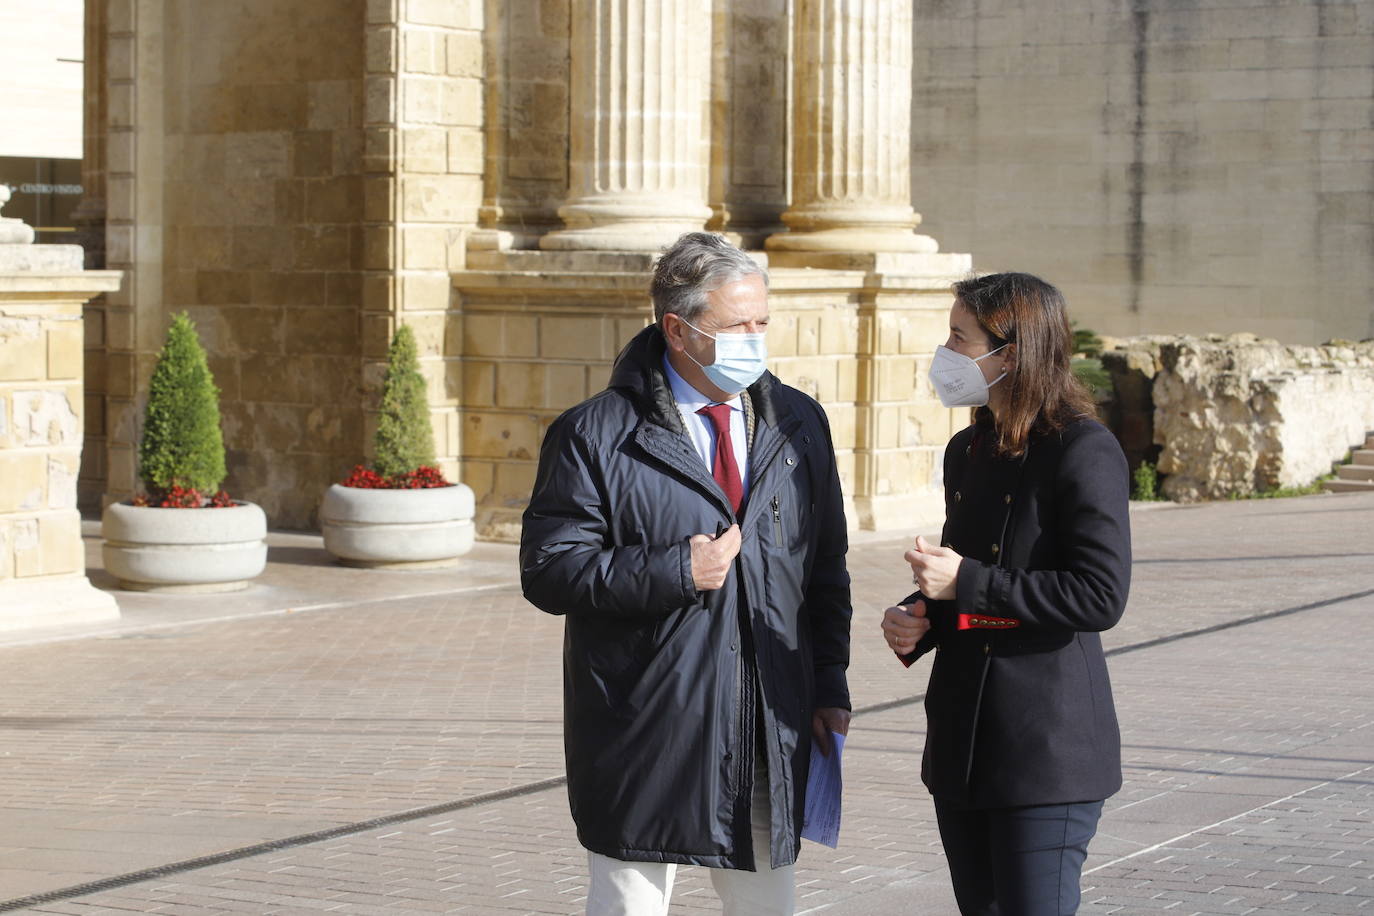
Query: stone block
point(520, 385)
point(514, 481)
point(65, 351)
point(379, 199)
point(22, 356)
point(322, 247)
point(480, 476)
point(28, 553)
point(379, 100)
point(425, 149)
point(581, 338)
point(379, 50)
point(59, 540)
point(564, 385)
point(23, 481)
point(320, 331)
point(501, 435)
point(422, 99)
point(461, 102)
point(479, 383)
point(838, 331)
point(428, 329)
point(424, 51)
point(465, 151)
point(425, 291)
point(441, 198)
point(312, 154)
point(259, 248)
point(379, 292)
point(455, 14)
point(425, 248)
point(896, 378)
point(333, 200)
point(463, 54)
point(378, 250)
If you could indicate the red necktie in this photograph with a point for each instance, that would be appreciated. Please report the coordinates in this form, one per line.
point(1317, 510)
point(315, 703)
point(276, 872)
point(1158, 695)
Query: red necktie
point(723, 466)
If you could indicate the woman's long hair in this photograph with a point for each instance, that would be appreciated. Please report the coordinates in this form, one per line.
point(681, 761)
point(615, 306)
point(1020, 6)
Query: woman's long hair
point(1043, 395)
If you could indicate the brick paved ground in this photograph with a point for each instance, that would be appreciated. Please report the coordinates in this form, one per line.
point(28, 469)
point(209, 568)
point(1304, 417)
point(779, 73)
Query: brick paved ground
point(1249, 748)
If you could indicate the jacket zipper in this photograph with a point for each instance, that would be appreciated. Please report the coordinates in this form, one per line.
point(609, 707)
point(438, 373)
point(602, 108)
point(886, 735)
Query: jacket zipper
point(777, 520)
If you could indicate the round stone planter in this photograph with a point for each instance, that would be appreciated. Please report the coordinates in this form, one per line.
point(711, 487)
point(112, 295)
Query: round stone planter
point(184, 550)
point(397, 528)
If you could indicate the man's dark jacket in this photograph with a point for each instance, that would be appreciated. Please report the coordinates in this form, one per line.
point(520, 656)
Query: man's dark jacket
point(662, 682)
point(1019, 710)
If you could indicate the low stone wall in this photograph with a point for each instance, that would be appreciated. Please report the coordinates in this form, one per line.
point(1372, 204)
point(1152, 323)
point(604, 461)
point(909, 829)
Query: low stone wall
point(1237, 415)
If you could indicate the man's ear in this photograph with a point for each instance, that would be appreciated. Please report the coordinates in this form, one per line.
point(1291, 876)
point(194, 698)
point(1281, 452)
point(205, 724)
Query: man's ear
point(673, 331)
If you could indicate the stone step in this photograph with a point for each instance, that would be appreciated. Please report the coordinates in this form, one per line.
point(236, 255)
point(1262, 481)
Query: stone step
point(1362, 456)
point(1349, 486)
point(1369, 441)
point(1355, 472)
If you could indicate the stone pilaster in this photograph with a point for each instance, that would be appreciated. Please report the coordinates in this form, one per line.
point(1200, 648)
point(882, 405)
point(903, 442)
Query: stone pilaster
point(42, 559)
point(637, 172)
point(851, 161)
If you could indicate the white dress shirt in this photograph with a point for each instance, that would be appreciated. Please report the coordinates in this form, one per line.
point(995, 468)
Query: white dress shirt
point(702, 431)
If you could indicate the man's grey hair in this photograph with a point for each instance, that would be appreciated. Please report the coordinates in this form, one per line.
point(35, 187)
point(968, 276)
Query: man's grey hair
point(696, 264)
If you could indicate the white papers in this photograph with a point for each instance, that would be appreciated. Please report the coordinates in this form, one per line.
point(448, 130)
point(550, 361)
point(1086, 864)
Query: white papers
point(821, 823)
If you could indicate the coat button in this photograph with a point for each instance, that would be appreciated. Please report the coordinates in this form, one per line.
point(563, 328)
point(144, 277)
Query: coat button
point(729, 756)
point(733, 647)
point(1007, 499)
point(790, 462)
point(958, 497)
point(995, 548)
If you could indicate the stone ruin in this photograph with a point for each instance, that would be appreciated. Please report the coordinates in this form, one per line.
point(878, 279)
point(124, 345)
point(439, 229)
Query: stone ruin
point(1238, 415)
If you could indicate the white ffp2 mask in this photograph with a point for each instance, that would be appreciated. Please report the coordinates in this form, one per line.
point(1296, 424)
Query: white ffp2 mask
point(958, 380)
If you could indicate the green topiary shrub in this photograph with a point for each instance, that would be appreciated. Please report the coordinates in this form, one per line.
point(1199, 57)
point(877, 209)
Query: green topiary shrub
point(405, 438)
point(182, 446)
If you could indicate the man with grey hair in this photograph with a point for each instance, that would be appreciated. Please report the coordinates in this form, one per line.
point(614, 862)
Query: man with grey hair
point(688, 522)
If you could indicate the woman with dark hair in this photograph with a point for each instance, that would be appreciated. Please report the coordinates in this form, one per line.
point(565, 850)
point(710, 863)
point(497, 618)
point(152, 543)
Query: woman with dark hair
point(1022, 744)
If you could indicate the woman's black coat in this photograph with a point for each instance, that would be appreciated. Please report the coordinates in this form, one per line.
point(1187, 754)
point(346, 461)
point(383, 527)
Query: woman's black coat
point(660, 680)
point(1019, 708)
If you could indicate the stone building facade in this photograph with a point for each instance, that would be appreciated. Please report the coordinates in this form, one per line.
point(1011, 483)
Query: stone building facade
point(1178, 168)
point(301, 177)
point(304, 176)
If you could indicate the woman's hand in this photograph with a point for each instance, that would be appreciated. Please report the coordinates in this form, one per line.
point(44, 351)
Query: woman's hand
point(934, 569)
point(904, 625)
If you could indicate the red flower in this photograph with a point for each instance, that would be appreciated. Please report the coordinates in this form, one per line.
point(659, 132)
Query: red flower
point(179, 497)
point(423, 477)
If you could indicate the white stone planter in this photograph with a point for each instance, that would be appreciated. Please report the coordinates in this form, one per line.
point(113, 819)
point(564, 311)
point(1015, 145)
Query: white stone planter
point(187, 550)
point(398, 528)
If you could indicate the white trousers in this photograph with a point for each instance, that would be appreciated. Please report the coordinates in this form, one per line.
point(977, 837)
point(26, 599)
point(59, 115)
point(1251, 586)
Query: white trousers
point(645, 888)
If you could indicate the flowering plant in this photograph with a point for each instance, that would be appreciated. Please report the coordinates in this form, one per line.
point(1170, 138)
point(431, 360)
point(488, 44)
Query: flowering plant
point(179, 497)
point(405, 439)
point(422, 478)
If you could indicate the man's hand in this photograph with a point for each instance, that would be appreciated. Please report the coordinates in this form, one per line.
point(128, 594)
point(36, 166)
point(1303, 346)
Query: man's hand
point(904, 625)
point(935, 570)
point(713, 557)
point(828, 719)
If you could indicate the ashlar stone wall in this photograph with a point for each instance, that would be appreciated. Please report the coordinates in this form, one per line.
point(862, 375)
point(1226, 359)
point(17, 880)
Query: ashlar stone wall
point(1174, 167)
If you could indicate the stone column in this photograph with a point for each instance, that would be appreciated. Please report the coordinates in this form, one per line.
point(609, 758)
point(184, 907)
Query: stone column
point(851, 161)
point(42, 558)
point(639, 153)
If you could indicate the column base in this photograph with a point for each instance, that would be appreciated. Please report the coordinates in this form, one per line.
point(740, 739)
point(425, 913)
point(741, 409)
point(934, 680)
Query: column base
point(853, 239)
point(638, 224)
point(53, 601)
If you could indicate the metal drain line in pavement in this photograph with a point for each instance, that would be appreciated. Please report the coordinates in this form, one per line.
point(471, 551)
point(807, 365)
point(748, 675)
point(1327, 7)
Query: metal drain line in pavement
point(306, 839)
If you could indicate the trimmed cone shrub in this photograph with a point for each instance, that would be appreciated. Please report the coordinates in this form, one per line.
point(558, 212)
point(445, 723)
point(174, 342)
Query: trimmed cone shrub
point(182, 447)
point(405, 437)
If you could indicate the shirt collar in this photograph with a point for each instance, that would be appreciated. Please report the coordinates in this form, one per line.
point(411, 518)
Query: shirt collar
point(687, 397)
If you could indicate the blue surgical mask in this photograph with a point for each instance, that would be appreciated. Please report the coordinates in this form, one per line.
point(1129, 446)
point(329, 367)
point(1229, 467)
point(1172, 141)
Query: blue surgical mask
point(740, 360)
